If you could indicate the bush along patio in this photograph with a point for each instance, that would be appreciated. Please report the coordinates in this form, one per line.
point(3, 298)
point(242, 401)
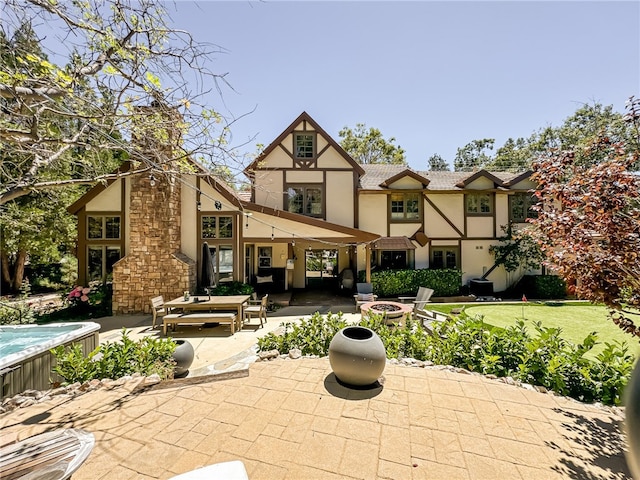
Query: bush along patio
point(543, 359)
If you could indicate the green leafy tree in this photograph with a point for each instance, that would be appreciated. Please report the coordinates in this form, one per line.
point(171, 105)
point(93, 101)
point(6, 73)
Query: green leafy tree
point(588, 220)
point(437, 164)
point(474, 155)
point(367, 146)
point(125, 57)
point(37, 227)
point(517, 249)
point(514, 156)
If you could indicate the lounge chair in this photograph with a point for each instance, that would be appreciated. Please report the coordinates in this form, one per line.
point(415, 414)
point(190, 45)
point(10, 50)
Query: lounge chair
point(420, 300)
point(365, 294)
point(53, 455)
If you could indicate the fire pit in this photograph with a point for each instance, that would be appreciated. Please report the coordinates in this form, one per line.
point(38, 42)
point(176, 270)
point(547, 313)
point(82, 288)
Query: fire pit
point(393, 312)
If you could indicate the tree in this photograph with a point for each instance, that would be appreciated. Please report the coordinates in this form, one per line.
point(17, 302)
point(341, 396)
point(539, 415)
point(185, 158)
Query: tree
point(369, 146)
point(588, 220)
point(514, 156)
point(124, 56)
point(437, 164)
point(518, 248)
point(37, 228)
point(474, 155)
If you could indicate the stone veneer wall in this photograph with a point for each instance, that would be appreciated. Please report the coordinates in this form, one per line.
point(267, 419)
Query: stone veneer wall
point(154, 264)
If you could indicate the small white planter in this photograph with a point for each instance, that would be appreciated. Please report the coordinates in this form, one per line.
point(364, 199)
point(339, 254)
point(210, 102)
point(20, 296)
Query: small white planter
point(357, 356)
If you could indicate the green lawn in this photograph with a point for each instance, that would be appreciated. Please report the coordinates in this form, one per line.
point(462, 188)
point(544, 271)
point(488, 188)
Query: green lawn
point(576, 319)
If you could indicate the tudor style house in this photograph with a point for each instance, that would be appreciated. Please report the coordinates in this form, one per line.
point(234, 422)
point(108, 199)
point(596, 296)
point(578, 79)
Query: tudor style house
point(312, 212)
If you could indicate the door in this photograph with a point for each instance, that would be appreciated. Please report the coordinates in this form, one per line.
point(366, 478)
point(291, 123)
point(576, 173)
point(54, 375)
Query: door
point(321, 268)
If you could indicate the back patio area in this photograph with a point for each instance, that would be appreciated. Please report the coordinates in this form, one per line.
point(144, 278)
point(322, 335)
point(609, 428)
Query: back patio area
point(290, 419)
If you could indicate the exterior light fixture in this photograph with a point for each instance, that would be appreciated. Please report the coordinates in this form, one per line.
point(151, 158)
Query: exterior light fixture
point(272, 229)
point(152, 180)
point(199, 205)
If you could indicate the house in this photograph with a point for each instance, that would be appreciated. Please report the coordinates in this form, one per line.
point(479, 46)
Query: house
point(312, 212)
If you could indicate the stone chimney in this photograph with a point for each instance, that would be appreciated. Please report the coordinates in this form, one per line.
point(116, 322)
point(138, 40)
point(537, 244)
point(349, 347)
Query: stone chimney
point(154, 264)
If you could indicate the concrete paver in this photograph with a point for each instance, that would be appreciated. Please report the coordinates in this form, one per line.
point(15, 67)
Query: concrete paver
point(291, 419)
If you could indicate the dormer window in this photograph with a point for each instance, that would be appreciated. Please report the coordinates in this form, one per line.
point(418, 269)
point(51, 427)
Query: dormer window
point(404, 206)
point(305, 145)
point(479, 203)
point(521, 207)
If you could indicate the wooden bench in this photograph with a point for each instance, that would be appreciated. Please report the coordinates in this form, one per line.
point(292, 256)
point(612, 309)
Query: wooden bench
point(175, 319)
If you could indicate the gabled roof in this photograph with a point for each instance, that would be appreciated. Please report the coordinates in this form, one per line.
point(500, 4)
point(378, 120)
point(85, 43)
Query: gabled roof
point(480, 174)
point(518, 178)
point(407, 172)
point(97, 189)
point(304, 117)
point(377, 174)
point(216, 183)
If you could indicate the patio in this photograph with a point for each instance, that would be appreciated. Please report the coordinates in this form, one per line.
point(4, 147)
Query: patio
point(290, 419)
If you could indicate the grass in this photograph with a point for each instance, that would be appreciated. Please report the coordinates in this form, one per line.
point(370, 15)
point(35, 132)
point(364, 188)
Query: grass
point(575, 319)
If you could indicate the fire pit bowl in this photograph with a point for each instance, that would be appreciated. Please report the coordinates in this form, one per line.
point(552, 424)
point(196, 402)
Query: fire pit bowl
point(392, 311)
point(357, 356)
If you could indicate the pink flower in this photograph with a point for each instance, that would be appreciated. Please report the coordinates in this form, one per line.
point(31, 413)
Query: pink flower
point(79, 288)
point(86, 290)
point(76, 293)
point(84, 298)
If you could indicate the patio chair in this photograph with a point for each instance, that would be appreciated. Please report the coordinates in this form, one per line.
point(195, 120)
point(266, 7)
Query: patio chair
point(157, 309)
point(54, 455)
point(365, 294)
point(420, 300)
point(259, 309)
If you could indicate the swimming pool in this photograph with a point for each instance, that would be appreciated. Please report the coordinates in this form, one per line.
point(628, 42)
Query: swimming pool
point(25, 360)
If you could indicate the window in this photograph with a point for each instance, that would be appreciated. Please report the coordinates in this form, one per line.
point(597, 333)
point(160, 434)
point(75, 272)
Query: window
point(479, 203)
point(520, 207)
point(444, 257)
point(305, 200)
point(100, 260)
point(264, 257)
point(103, 227)
point(394, 260)
point(404, 206)
point(217, 227)
point(304, 145)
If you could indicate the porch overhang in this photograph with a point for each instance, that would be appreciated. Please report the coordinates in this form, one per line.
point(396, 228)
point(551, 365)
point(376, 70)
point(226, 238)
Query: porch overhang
point(393, 243)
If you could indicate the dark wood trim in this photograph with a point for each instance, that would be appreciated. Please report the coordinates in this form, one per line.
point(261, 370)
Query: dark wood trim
point(306, 120)
point(356, 202)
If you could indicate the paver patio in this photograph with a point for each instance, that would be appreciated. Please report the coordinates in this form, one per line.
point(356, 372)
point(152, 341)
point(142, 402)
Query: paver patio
point(290, 419)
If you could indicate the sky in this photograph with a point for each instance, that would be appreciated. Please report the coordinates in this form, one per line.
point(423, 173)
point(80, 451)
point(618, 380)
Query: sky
point(432, 75)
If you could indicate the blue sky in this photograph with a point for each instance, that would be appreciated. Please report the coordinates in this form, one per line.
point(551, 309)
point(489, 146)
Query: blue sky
point(434, 75)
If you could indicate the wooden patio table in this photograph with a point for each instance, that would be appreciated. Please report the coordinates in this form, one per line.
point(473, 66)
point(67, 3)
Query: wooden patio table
point(214, 302)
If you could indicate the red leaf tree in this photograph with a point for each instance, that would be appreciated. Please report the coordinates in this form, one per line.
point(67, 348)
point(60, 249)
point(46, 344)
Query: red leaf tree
point(589, 219)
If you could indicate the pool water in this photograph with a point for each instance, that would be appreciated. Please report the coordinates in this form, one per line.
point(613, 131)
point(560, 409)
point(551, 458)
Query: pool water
point(16, 338)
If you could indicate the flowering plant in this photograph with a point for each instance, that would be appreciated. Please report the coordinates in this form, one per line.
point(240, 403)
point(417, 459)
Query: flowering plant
point(83, 297)
point(79, 294)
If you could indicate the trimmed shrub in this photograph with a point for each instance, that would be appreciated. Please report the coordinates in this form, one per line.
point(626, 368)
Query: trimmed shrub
point(541, 286)
point(391, 283)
